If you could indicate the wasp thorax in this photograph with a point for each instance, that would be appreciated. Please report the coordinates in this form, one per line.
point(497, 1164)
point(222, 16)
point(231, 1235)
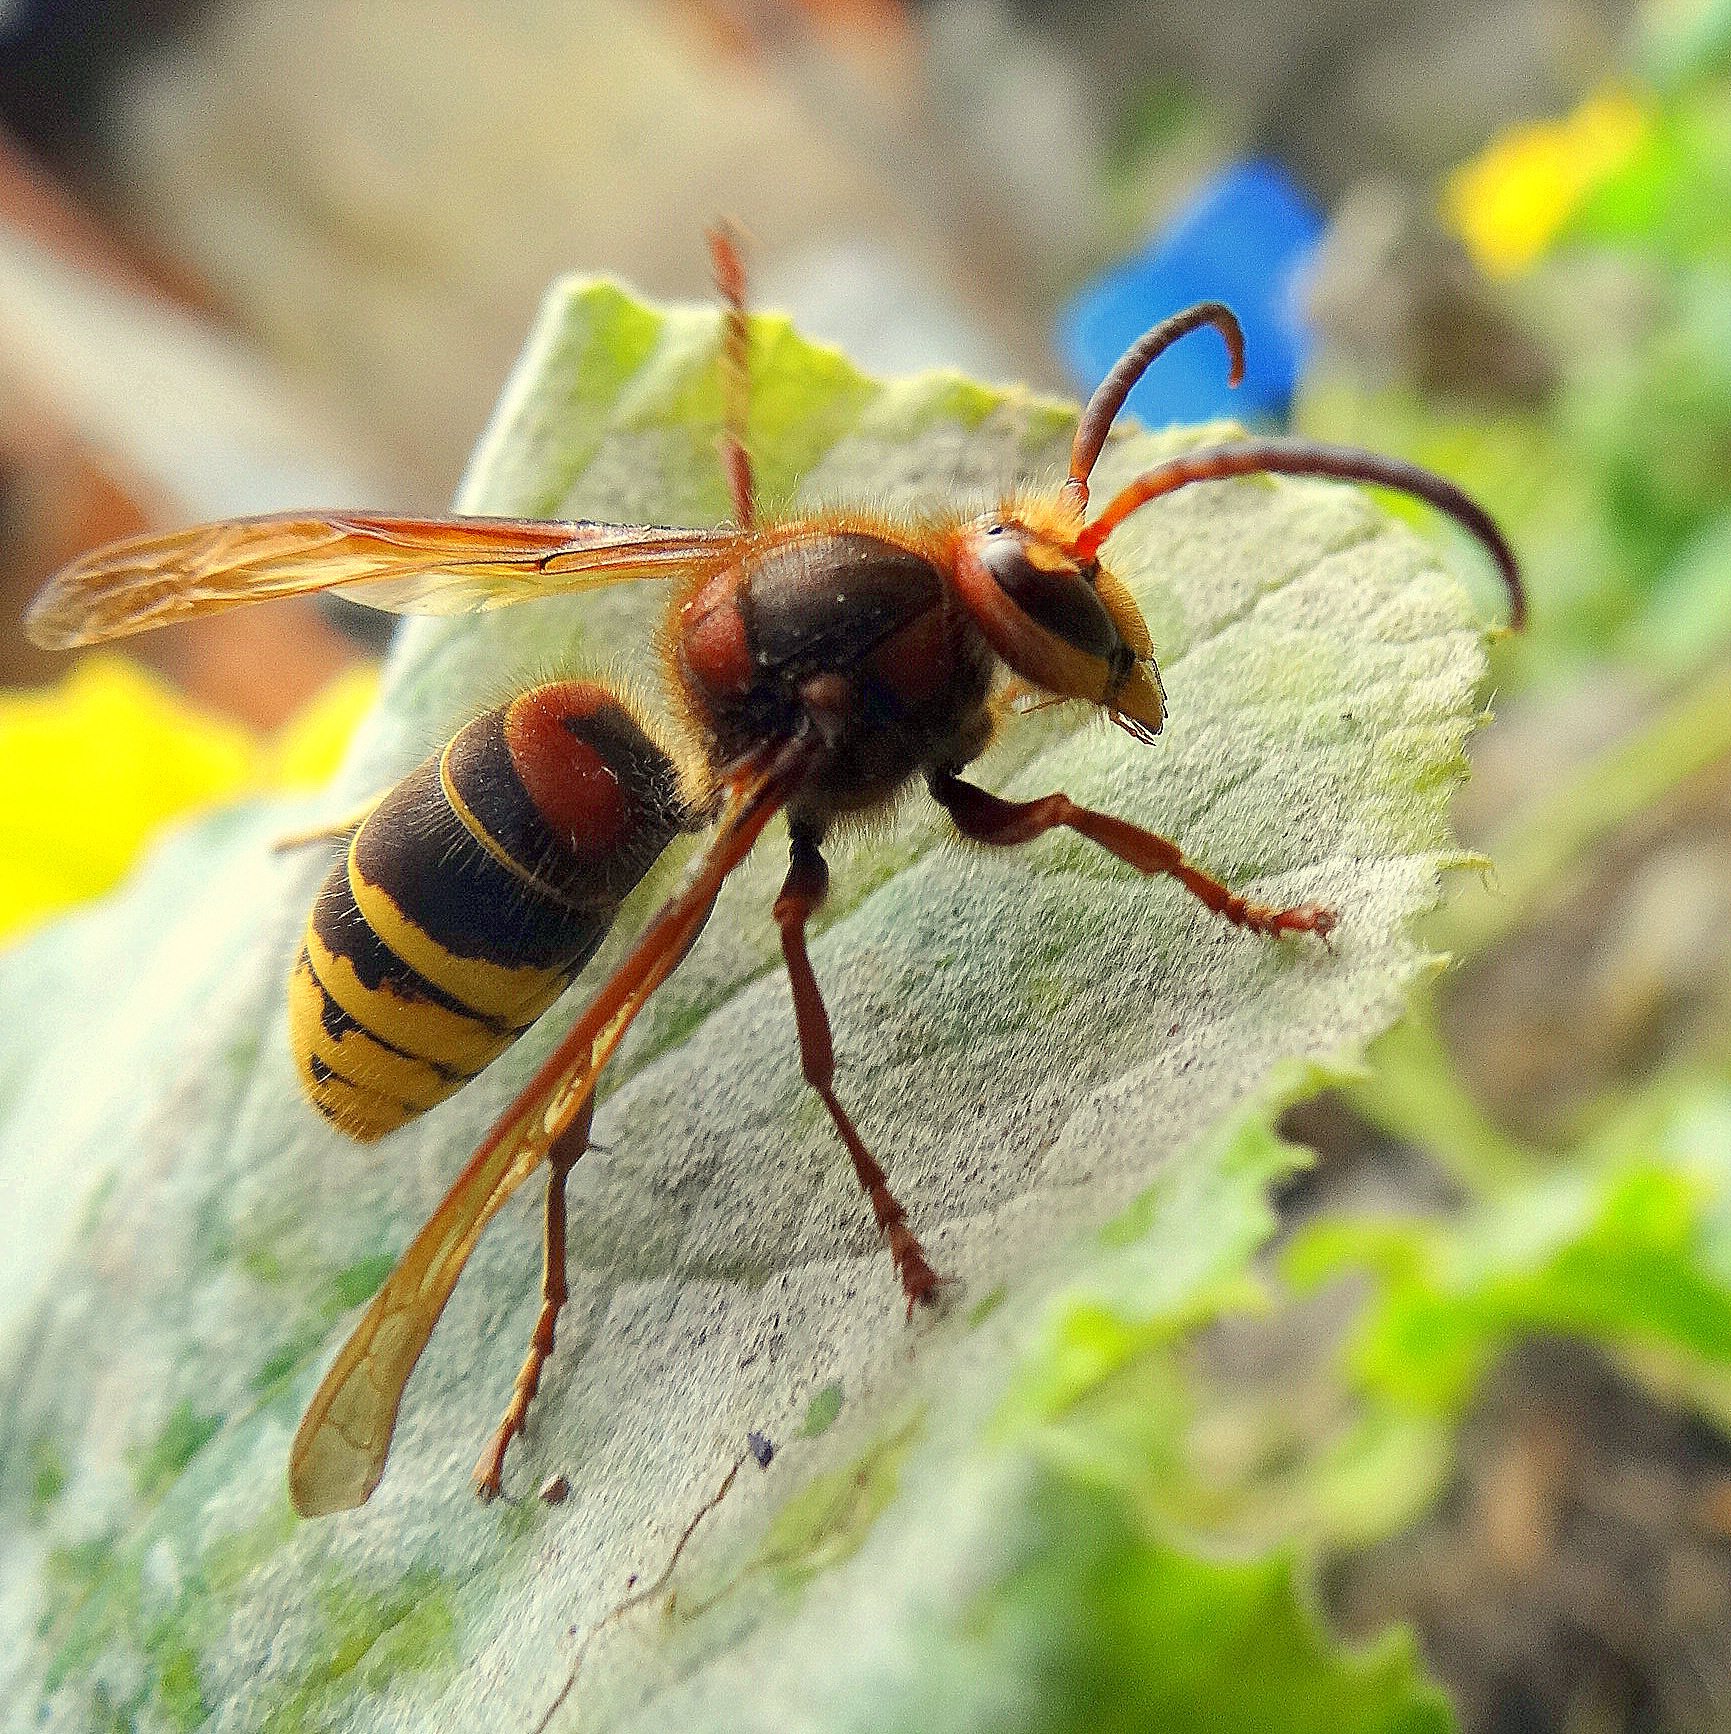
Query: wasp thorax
point(1058, 622)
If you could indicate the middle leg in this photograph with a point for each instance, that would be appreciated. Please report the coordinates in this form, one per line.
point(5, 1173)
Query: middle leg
point(803, 891)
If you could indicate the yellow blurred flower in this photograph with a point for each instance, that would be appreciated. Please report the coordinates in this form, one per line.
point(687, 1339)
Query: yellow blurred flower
point(92, 769)
point(1508, 203)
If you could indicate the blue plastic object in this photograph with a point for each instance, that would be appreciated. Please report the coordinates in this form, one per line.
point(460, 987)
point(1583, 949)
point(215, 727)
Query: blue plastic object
point(1244, 238)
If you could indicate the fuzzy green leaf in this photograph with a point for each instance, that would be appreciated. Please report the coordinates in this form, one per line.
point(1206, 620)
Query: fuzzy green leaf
point(1068, 1071)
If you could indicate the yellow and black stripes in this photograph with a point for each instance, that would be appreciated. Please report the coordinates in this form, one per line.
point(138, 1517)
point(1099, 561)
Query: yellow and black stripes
point(469, 898)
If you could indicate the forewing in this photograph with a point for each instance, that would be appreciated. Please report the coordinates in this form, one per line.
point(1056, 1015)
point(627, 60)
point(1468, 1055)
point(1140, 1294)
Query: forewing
point(409, 565)
point(340, 1448)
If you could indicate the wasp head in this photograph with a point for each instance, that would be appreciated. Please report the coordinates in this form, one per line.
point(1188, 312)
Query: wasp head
point(1031, 575)
point(1062, 621)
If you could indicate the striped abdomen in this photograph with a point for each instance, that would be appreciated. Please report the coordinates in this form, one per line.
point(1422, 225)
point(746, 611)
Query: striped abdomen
point(469, 898)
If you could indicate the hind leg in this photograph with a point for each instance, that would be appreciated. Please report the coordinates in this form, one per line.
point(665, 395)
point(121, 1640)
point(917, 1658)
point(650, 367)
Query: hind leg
point(555, 1291)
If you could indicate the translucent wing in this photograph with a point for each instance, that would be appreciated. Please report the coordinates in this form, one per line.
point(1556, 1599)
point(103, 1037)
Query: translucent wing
point(340, 1447)
point(411, 565)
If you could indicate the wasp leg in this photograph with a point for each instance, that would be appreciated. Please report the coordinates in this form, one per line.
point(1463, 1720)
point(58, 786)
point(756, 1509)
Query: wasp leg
point(803, 891)
point(988, 818)
point(555, 1291)
point(736, 376)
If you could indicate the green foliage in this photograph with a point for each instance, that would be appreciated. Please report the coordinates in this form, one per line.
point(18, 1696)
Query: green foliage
point(1010, 1563)
point(1683, 42)
point(1100, 1623)
point(1630, 1245)
point(1669, 201)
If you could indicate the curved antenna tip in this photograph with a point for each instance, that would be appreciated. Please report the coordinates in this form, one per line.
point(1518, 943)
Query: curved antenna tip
point(1104, 406)
point(1309, 458)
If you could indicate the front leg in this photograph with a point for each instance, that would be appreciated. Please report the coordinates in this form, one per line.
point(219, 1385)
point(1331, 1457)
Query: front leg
point(988, 818)
point(804, 890)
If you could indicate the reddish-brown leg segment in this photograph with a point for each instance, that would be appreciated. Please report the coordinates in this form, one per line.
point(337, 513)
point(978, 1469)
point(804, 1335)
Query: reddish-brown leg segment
point(803, 891)
point(736, 374)
point(555, 1291)
point(988, 818)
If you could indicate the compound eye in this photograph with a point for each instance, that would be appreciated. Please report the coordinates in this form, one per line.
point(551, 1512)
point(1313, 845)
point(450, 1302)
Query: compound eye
point(1051, 590)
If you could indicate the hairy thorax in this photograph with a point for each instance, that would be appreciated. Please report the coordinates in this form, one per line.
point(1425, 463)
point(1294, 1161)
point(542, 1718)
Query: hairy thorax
point(846, 635)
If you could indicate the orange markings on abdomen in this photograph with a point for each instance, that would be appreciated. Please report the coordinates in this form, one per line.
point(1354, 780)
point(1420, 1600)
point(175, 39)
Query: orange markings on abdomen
point(573, 787)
